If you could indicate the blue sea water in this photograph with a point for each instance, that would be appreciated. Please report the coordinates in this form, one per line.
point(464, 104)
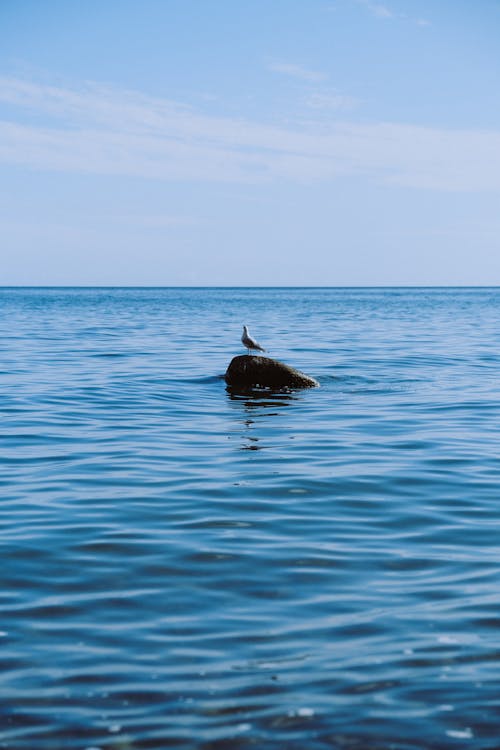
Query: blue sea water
point(188, 567)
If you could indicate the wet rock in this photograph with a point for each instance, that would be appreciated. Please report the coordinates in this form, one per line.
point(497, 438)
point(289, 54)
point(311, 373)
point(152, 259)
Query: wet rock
point(251, 371)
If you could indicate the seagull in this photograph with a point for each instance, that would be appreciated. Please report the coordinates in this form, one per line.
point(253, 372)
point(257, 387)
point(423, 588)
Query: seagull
point(249, 342)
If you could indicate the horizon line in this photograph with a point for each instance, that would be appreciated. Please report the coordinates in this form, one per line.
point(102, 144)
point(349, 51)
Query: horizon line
point(255, 286)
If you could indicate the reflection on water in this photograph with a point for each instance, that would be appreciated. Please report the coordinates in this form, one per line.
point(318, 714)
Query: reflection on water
point(262, 396)
point(258, 402)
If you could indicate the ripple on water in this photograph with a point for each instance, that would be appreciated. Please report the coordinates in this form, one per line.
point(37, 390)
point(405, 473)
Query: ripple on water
point(185, 566)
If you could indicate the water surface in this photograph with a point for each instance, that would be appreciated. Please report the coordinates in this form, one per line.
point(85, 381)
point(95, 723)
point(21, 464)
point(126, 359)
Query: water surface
point(187, 567)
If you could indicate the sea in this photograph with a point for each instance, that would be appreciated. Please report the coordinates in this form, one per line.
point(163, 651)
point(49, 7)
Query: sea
point(188, 566)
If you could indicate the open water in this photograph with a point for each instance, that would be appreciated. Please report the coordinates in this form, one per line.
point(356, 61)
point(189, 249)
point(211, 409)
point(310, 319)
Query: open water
point(185, 567)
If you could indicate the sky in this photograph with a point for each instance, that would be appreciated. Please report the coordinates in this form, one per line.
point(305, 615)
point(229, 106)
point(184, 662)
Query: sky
point(263, 143)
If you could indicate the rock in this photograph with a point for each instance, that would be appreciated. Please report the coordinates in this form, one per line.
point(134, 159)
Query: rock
point(247, 371)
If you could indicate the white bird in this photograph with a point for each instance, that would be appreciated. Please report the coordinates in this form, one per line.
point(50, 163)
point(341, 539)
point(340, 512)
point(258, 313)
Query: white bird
point(249, 342)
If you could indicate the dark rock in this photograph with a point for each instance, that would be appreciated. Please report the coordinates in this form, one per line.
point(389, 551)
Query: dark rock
point(248, 371)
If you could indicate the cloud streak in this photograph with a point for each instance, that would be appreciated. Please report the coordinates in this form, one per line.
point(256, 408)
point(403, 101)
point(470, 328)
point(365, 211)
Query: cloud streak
point(384, 12)
point(298, 71)
point(102, 131)
point(331, 99)
point(380, 11)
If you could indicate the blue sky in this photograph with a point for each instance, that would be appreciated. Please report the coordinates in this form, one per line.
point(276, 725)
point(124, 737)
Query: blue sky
point(273, 142)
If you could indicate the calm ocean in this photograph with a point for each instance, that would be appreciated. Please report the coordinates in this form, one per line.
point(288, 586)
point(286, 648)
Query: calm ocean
point(184, 567)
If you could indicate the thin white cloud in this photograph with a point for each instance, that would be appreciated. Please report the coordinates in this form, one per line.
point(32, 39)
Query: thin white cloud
point(330, 100)
point(383, 11)
point(101, 131)
point(377, 9)
point(298, 71)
